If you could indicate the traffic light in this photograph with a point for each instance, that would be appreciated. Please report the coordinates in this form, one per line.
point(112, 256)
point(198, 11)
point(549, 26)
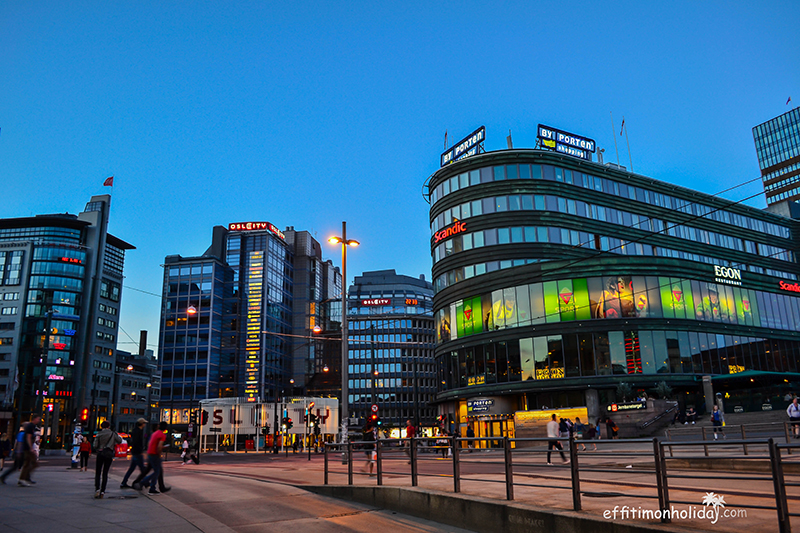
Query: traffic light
point(204, 418)
point(312, 418)
point(84, 414)
point(289, 423)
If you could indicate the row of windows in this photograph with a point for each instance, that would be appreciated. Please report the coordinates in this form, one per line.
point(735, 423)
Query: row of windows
point(783, 195)
point(181, 373)
point(103, 365)
point(104, 336)
point(114, 259)
point(54, 234)
point(57, 269)
point(617, 296)
point(11, 296)
point(391, 353)
point(778, 139)
point(780, 172)
point(188, 356)
point(192, 270)
point(563, 236)
point(104, 351)
point(539, 202)
point(11, 267)
point(110, 290)
point(9, 311)
point(604, 185)
point(5, 326)
point(386, 383)
point(402, 323)
point(6, 341)
point(389, 310)
point(106, 322)
point(614, 352)
point(384, 368)
point(107, 309)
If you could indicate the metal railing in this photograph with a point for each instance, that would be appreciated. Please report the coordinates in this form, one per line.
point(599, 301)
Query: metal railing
point(514, 467)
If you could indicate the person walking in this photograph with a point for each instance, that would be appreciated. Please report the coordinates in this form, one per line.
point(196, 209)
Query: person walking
point(16, 454)
point(470, 435)
point(580, 429)
point(369, 438)
point(185, 452)
point(592, 433)
point(84, 451)
point(613, 429)
point(794, 417)
point(717, 418)
point(553, 434)
point(138, 446)
point(28, 455)
point(411, 432)
point(154, 449)
point(6, 448)
point(104, 445)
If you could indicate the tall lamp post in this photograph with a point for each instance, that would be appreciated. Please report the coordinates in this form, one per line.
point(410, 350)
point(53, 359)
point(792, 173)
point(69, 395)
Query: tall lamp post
point(345, 243)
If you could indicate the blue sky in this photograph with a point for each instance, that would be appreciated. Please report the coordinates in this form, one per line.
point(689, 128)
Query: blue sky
point(309, 113)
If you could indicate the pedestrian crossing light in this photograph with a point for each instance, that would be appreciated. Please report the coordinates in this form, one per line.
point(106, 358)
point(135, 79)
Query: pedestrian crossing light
point(84, 414)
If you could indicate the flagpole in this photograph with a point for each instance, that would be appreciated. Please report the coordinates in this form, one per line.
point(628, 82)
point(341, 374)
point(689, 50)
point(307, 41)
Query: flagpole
point(614, 134)
point(628, 143)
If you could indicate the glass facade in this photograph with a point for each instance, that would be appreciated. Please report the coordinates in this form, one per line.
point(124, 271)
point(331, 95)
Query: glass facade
point(778, 150)
point(551, 271)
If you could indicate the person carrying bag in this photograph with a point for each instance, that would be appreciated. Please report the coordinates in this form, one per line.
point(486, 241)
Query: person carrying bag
point(104, 444)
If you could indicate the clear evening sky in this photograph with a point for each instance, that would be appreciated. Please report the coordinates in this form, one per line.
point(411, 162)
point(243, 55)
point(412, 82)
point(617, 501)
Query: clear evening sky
point(305, 114)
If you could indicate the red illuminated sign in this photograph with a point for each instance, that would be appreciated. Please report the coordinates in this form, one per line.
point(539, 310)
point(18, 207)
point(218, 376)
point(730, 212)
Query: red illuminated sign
point(376, 301)
point(256, 226)
point(59, 345)
point(786, 287)
point(72, 260)
point(458, 227)
point(412, 301)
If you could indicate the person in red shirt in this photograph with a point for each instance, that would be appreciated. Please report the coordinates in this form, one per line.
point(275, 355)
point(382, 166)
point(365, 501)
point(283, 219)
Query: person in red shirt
point(411, 432)
point(154, 472)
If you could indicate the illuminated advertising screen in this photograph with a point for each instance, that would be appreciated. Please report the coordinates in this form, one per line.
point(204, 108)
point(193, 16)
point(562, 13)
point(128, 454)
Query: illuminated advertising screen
point(254, 290)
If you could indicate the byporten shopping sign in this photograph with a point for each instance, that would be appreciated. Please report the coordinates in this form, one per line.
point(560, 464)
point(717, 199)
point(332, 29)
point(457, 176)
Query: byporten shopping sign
point(465, 147)
point(566, 143)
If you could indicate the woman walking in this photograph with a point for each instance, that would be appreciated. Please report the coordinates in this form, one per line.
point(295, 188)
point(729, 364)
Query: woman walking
point(104, 444)
point(85, 450)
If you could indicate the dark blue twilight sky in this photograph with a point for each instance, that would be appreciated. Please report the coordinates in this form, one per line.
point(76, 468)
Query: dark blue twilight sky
point(310, 113)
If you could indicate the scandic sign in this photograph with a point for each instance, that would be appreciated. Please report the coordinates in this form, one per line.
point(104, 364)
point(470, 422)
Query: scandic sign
point(458, 227)
point(787, 287)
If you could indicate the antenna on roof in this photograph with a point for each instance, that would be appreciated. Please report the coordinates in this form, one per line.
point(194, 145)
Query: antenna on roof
point(508, 140)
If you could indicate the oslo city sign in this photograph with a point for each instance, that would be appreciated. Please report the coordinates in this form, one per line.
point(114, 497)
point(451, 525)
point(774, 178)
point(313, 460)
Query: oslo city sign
point(256, 226)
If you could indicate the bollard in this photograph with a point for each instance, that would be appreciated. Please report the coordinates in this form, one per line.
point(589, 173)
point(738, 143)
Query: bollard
point(379, 460)
point(326, 463)
point(744, 445)
point(705, 446)
point(509, 469)
point(456, 468)
point(576, 480)
point(660, 465)
point(413, 454)
point(349, 463)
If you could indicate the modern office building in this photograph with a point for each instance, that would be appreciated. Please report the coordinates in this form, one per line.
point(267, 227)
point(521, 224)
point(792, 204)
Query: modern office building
point(778, 149)
point(60, 289)
point(137, 389)
point(391, 341)
point(237, 320)
point(558, 278)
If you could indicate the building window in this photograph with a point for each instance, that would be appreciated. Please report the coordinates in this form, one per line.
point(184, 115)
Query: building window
point(9, 311)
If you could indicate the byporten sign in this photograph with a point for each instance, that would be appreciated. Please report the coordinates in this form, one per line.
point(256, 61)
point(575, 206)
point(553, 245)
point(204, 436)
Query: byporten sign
point(566, 143)
point(466, 147)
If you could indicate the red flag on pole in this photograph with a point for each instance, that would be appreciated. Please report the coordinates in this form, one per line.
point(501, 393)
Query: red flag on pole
point(623, 126)
point(789, 100)
point(109, 182)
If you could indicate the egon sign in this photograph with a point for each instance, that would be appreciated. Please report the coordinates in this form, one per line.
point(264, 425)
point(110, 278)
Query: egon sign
point(728, 275)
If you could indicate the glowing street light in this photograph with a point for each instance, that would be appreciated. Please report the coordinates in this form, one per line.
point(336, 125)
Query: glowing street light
point(345, 242)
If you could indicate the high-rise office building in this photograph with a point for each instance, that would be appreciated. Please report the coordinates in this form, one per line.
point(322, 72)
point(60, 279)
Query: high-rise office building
point(391, 342)
point(237, 321)
point(778, 149)
point(60, 290)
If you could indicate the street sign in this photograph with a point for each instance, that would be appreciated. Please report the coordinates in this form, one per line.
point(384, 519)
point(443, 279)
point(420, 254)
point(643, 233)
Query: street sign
point(374, 407)
point(191, 427)
point(215, 430)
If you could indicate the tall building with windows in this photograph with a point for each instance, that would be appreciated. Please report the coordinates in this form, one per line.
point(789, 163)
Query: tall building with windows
point(557, 279)
point(237, 320)
point(60, 290)
point(778, 150)
point(391, 340)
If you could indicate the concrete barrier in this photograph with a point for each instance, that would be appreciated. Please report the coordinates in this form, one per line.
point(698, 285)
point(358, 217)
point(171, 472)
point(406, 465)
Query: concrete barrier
point(480, 514)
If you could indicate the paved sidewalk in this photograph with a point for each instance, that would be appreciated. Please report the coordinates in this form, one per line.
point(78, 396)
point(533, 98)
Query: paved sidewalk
point(63, 501)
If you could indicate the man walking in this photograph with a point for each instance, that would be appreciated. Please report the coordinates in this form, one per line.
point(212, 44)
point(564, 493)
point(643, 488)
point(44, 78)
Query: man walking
point(17, 455)
point(411, 432)
point(138, 444)
point(154, 448)
point(552, 434)
point(794, 417)
point(29, 457)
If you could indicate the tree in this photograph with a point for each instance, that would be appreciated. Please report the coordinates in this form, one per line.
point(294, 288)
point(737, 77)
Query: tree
point(663, 390)
point(624, 391)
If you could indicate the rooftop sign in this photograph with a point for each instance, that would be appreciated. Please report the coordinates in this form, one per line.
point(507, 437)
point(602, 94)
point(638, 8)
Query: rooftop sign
point(256, 226)
point(465, 147)
point(566, 143)
point(376, 301)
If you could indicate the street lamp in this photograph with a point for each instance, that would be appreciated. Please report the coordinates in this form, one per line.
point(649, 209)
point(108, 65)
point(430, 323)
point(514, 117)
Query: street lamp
point(345, 243)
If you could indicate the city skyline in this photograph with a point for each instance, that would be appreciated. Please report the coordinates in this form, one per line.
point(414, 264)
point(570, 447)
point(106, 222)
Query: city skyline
point(311, 116)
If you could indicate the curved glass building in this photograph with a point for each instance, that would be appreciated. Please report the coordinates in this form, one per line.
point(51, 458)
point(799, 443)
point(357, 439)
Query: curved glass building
point(558, 278)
